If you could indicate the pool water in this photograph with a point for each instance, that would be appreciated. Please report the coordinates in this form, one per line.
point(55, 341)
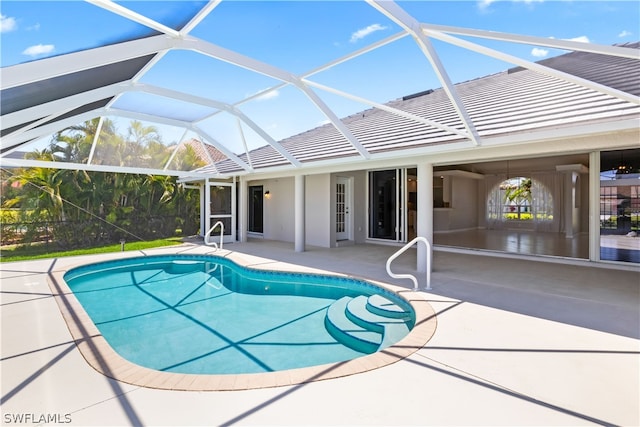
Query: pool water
point(207, 315)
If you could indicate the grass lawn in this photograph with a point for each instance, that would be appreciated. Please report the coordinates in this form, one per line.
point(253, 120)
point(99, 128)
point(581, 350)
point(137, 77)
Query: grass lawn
point(22, 253)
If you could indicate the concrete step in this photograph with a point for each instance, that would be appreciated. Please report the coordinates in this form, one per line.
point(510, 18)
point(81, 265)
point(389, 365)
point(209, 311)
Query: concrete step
point(359, 313)
point(382, 306)
point(392, 328)
point(349, 333)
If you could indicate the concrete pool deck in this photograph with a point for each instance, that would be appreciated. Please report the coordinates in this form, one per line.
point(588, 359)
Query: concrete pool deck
point(518, 342)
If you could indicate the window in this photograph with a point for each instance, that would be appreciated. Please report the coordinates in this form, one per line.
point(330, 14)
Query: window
point(516, 199)
point(520, 199)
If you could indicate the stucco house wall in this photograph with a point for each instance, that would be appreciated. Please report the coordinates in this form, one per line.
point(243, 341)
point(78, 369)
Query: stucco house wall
point(318, 208)
point(278, 209)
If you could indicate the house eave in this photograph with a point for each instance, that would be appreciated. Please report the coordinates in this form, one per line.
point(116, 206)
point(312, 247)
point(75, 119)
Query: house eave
point(579, 138)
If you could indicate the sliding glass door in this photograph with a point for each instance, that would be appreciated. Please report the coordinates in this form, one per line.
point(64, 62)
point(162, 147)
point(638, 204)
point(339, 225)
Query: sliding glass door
point(620, 205)
point(392, 204)
point(383, 202)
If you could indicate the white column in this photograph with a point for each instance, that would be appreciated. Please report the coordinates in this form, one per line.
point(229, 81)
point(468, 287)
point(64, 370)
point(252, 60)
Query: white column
point(234, 211)
point(207, 207)
point(299, 213)
point(569, 203)
point(594, 206)
point(201, 193)
point(575, 207)
point(243, 206)
point(424, 217)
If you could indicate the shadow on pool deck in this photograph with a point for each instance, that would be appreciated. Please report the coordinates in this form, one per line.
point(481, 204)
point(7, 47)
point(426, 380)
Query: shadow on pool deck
point(582, 294)
point(494, 353)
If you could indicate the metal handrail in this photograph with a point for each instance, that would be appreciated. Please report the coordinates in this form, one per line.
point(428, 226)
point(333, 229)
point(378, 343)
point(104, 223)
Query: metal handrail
point(206, 236)
point(407, 275)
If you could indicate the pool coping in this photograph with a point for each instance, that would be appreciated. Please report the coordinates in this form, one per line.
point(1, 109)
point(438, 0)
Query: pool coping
point(103, 358)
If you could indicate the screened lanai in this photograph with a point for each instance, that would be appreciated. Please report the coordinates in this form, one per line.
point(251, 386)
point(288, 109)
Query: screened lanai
point(326, 136)
point(178, 66)
point(246, 91)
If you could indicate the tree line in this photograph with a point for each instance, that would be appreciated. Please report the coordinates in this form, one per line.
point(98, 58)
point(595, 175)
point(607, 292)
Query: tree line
point(81, 208)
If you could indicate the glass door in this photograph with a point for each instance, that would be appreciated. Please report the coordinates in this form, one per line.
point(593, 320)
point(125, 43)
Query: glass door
point(256, 203)
point(384, 204)
point(393, 204)
point(343, 209)
point(620, 206)
point(382, 200)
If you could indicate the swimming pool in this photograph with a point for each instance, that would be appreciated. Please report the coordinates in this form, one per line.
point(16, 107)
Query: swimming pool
point(202, 314)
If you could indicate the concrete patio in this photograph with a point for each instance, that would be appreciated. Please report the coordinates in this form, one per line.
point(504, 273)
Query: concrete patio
point(519, 341)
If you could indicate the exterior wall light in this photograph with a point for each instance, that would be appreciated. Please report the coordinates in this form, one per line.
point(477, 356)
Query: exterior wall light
point(267, 195)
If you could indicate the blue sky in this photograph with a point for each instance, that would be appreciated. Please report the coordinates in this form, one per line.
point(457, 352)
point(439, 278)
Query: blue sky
point(300, 35)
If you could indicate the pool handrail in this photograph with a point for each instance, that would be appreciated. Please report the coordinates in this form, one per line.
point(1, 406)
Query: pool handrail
point(206, 236)
point(407, 275)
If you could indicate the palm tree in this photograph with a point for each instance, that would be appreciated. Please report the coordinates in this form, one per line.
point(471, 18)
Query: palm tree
point(134, 202)
point(41, 190)
point(518, 194)
point(139, 138)
point(187, 159)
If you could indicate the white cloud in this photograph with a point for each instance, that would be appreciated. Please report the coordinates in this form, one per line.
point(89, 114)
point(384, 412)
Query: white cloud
point(581, 39)
point(35, 27)
point(624, 33)
point(39, 49)
point(484, 4)
point(364, 32)
point(7, 24)
point(539, 53)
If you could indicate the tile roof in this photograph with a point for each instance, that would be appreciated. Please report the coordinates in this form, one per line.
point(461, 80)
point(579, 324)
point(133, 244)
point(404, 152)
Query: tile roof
point(514, 101)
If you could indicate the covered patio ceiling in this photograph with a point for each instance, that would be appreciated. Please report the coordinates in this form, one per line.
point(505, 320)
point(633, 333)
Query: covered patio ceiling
point(119, 81)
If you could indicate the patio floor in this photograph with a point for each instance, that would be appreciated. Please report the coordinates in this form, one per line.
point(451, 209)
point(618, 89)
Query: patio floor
point(519, 341)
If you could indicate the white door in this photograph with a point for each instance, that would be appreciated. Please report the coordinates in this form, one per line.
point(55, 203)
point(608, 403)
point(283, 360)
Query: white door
point(343, 209)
